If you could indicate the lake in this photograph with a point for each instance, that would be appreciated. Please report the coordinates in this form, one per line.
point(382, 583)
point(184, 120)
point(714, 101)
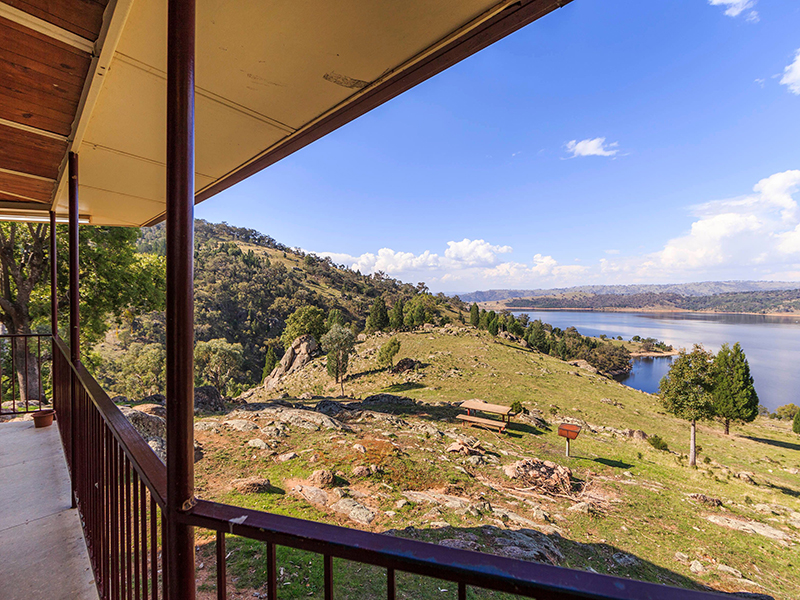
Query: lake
point(772, 344)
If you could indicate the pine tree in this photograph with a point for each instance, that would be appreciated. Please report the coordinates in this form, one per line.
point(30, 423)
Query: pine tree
point(474, 315)
point(378, 318)
point(396, 315)
point(335, 317)
point(270, 360)
point(796, 423)
point(685, 391)
point(388, 351)
point(735, 398)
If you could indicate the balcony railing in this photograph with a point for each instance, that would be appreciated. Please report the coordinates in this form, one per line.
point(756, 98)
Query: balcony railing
point(119, 486)
point(23, 371)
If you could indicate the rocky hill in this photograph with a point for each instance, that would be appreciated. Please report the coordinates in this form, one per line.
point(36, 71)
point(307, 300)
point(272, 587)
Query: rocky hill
point(392, 457)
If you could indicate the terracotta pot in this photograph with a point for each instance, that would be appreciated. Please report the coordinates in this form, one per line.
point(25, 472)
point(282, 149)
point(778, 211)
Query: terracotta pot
point(43, 418)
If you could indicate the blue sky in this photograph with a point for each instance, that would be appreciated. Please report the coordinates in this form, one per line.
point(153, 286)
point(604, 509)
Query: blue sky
point(613, 141)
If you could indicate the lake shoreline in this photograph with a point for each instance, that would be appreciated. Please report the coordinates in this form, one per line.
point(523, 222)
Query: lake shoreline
point(497, 306)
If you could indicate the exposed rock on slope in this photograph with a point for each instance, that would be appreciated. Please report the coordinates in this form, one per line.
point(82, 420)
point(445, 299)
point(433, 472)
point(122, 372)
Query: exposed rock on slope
point(299, 354)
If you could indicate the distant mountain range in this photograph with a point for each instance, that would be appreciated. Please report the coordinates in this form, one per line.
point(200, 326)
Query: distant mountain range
point(702, 288)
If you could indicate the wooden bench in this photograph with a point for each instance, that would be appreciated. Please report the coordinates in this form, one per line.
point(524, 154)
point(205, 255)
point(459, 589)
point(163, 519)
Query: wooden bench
point(499, 425)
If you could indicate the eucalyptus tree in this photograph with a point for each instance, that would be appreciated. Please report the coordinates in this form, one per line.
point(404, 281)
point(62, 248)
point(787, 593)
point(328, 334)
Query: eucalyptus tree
point(685, 391)
point(338, 344)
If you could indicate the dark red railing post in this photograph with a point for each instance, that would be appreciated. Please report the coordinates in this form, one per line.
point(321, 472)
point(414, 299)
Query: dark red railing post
point(53, 275)
point(74, 309)
point(180, 569)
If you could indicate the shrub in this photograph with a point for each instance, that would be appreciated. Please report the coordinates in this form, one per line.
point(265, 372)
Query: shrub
point(516, 407)
point(657, 443)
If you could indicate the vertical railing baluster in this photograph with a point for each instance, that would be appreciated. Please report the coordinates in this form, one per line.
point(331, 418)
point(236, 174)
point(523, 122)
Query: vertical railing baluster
point(39, 354)
point(222, 580)
point(136, 572)
point(165, 574)
point(153, 549)
point(13, 376)
point(126, 508)
point(115, 575)
point(143, 527)
point(25, 379)
point(272, 573)
point(390, 585)
point(462, 590)
point(328, 575)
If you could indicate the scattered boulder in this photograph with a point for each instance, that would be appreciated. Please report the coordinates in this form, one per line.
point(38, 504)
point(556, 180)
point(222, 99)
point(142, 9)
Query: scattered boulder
point(152, 409)
point(241, 425)
point(730, 571)
point(747, 477)
point(638, 434)
point(251, 485)
point(146, 424)
point(384, 399)
point(404, 365)
point(582, 364)
point(696, 567)
point(545, 476)
point(707, 500)
point(354, 510)
point(322, 478)
point(297, 356)
point(361, 471)
point(528, 545)
point(359, 448)
point(313, 494)
point(258, 443)
point(286, 456)
point(154, 399)
point(750, 527)
point(361, 337)
point(207, 425)
point(462, 448)
point(208, 399)
point(624, 560)
point(680, 556)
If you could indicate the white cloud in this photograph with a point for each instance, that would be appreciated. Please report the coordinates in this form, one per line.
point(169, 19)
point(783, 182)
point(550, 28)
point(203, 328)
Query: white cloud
point(757, 231)
point(474, 252)
point(791, 75)
point(592, 147)
point(733, 8)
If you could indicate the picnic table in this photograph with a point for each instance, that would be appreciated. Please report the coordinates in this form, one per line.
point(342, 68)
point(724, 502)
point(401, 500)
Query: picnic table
point(473, 406)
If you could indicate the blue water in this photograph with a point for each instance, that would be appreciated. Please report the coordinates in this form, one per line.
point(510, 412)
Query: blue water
point(772, 344)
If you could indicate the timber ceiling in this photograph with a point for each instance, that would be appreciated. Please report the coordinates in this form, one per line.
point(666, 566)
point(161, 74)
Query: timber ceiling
point(89, 76)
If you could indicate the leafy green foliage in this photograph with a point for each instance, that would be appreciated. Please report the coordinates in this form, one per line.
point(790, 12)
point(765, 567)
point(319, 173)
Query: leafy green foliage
point(378, 318)
point(734, 395)
point(474, 315)
point(796, 423)
point(787, 411)
point(270, 360)
point(218, 363)
point(396, 315)
point(335, 317)
point(658, 443)
point(686, 389)
point(388, 351)
point(338, 344)
point(305, 320)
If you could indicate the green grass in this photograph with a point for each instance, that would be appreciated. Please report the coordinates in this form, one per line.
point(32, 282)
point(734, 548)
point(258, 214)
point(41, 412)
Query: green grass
point(648, 513)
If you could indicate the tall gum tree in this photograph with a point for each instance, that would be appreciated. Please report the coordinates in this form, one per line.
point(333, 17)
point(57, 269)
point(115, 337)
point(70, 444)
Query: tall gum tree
point(685, 391)
point(115, 281)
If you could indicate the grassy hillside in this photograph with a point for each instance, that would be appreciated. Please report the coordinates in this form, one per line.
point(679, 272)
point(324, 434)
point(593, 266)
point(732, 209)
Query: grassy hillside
point(628, 511)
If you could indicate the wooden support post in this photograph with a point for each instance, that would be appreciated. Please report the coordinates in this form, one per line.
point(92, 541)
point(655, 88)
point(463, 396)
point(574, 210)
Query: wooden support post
point(53, 276)
point(74, 312)
point(180, 297)
point(567, 447)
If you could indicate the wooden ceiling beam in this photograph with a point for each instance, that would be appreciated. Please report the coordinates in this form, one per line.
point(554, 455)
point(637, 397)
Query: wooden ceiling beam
point(45, 28)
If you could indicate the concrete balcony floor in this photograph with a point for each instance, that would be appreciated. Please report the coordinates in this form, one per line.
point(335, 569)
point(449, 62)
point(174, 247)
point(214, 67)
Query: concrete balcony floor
point(42, 550)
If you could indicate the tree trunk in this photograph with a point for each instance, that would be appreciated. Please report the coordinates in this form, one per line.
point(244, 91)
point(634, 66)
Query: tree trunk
point(727, 426)
point(693, 446)
point(27, 370)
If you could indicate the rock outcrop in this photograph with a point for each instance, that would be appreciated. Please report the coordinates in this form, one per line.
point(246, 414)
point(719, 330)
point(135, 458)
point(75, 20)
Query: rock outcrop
point(299, 354)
